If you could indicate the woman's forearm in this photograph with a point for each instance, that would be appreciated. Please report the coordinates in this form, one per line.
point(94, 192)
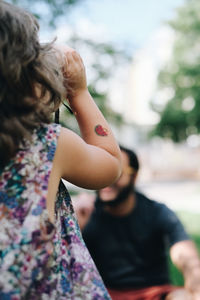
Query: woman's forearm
point(93, 126)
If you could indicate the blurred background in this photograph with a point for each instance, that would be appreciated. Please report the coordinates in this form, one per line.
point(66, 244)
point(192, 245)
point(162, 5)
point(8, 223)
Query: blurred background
point(143, 66)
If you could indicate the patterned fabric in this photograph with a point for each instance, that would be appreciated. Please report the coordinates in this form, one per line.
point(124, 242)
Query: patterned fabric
point(39, 260)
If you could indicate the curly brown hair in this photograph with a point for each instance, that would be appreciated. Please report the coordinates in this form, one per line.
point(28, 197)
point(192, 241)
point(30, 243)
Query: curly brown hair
point(31, 81)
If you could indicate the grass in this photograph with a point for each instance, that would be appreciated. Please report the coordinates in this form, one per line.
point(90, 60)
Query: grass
point(191, 222)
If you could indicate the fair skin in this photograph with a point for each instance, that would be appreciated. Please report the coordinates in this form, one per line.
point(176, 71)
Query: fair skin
point(183, 254)
point(93, 160)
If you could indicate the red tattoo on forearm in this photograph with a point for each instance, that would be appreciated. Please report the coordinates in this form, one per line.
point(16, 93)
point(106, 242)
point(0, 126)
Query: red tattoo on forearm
point(101, 130)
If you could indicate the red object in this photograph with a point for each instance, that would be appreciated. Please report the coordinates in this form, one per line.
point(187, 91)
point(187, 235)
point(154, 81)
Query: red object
point(101, 130)
point(150, 293)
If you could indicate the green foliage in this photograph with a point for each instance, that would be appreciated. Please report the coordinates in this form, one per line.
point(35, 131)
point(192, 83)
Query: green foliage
point(175, 275)
point(103, 62)
point(103, 57)
point(180, 117)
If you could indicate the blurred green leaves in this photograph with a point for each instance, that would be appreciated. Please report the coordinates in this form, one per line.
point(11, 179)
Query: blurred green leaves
point(103, 61)
point(180, 116)
point(103, 58)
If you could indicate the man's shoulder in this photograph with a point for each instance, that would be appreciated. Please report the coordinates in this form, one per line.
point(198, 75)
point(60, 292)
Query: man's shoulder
point(148, 201)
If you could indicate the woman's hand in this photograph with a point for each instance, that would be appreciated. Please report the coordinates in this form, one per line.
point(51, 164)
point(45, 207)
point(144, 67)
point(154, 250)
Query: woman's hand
point(73, 71)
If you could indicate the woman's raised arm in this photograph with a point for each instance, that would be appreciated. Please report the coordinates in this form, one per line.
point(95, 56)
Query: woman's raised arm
point(93, 161)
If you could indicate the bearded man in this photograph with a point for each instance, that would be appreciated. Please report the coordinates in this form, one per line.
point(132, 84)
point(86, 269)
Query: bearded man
point(129, 236)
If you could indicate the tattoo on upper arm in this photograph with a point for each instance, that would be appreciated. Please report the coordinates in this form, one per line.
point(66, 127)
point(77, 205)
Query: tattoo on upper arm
point(100, 130)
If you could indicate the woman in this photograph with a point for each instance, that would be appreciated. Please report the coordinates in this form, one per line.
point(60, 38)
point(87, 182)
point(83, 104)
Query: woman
point(42, 252)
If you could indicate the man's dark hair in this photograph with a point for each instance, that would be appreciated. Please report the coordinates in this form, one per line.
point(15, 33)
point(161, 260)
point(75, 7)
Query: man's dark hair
point(134, 163)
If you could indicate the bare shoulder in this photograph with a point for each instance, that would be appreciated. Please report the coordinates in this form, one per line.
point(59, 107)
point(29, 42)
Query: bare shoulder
point(68, 140)
point(71, 154)
point(69, 146)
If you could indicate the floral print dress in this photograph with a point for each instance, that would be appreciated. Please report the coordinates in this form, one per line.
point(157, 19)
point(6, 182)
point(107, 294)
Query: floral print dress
point(39, 260)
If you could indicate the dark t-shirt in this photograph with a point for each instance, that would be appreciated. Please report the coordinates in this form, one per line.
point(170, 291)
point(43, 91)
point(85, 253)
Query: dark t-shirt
point(131, 251)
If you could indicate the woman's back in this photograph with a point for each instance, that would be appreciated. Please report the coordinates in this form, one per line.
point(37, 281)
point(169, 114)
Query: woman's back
point(39, 258)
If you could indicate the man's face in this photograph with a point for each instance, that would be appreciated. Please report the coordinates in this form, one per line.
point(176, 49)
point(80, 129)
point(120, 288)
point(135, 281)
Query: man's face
point(122, 187)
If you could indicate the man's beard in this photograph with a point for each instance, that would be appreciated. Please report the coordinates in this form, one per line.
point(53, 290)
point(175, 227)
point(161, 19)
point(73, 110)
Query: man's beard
point(121, 197)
